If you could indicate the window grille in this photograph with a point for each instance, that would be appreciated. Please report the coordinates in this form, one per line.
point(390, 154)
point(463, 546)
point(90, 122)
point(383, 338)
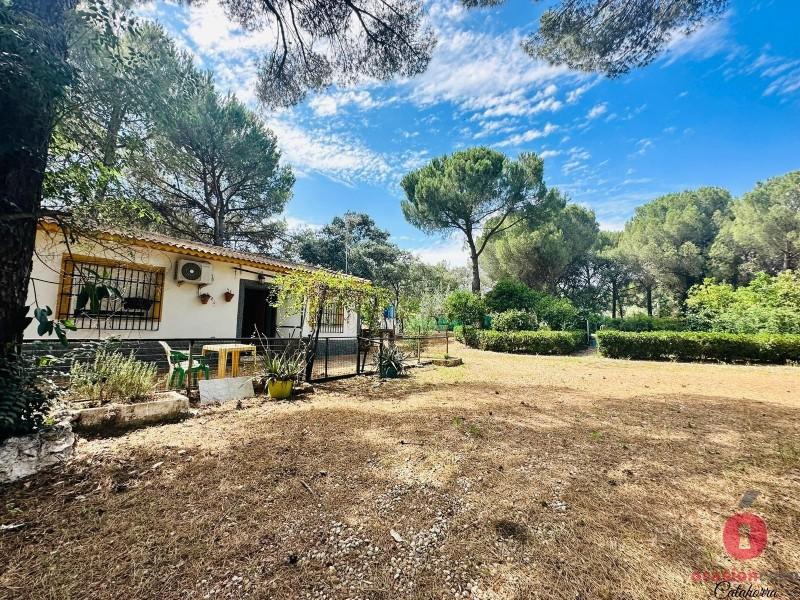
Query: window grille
point(131, 297)
point(332, 318)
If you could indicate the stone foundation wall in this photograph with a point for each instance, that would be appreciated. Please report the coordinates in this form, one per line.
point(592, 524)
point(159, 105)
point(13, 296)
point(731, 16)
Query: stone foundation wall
point(28, 454)
point(171, 406)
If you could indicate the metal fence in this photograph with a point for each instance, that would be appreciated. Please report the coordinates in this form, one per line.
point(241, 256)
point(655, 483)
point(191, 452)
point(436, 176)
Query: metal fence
point(425, 346)
point(334, 358)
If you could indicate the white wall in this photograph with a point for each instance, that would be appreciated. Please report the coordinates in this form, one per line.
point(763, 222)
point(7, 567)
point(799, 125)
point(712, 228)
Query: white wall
point(183, 315)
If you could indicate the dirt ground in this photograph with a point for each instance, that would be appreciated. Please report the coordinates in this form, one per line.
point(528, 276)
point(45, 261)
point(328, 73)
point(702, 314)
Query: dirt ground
point(509, 477)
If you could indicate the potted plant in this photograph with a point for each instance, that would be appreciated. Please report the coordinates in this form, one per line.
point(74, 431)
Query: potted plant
point(281, 370)
point(204, 298)
point(390, 362)
point(229, 295)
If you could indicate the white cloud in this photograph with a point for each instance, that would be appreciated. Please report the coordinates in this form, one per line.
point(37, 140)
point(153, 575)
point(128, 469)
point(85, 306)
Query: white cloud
point(214, 34)
point(528, 136)
point(783, 73)
point(450, 250)
point(325, 105)
point(574, 95)
point(597, 110)
point(549, 154)
point(478, 70)
point(642, 146)
point(295, 223)
point(335, 156)
point(709, 40)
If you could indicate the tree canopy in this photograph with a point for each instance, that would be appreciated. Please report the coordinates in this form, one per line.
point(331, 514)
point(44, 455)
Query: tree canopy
point(212, 172)
point(321, 42)
point(763, 232)
point(479, 192)
point(125, 81)
point(668, 239)
point(351, 243)
point(615, 36)
point(540, 255)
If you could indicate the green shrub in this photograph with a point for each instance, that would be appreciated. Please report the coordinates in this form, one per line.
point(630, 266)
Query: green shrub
point(509, 294)
point(112, 376)
point(690, 345)
point(645, 323)
point(765, 305)
point(26, 395)
point(557, 313)
point(513, 320)
point(531, 342)
point(465, 307)
point(466, 335)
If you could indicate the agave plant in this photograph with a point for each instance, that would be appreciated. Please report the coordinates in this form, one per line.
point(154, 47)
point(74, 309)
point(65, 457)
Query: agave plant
point(284, 366)
point(390, 361)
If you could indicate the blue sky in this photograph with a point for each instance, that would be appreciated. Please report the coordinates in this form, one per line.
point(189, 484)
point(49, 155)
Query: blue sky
point(719, 108)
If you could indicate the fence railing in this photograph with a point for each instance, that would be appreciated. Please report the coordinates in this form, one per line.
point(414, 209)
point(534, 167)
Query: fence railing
point(334, 358)
point(425, 346)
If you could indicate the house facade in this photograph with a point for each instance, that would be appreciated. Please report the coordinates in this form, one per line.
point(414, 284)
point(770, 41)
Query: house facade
point(151, 286)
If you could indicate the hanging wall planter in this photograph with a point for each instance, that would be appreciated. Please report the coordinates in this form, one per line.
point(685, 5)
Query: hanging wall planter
point(229, 295)
point(204, 298)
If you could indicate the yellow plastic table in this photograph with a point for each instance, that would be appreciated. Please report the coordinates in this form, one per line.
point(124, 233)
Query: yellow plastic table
point(223, 350)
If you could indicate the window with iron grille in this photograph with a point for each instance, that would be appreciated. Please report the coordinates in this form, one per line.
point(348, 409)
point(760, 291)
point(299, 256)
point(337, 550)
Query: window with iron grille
point(332, 318)
point(97, 293)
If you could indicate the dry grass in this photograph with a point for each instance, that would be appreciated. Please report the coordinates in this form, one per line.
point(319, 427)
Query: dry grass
point(512, 477)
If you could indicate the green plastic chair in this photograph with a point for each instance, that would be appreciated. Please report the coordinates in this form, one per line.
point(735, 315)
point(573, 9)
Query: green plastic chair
point(179, 365)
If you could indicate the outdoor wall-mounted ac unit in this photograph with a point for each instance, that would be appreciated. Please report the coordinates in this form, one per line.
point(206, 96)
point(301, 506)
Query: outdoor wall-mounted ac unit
point(193, 271)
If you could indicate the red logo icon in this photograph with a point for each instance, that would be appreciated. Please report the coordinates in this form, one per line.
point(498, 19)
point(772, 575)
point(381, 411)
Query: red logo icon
point(745, 536)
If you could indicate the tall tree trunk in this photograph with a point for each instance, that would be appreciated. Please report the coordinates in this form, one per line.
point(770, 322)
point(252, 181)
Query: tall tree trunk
point(219, 225)
point(29, 91)
point(648, 291)
point(614, 299)
point(473, 255)
point(786, 252)
point(110, 141)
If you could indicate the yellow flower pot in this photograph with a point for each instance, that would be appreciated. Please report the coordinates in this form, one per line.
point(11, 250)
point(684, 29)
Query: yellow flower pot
point(280, 390)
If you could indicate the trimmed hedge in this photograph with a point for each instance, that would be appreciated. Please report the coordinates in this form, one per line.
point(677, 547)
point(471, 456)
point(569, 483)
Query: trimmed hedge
point(530, 342)
point(645, 323)
point(466, 335)
point(694, 346)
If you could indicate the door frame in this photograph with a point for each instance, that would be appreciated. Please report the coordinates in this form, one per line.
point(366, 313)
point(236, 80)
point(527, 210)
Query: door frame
point(250, 284)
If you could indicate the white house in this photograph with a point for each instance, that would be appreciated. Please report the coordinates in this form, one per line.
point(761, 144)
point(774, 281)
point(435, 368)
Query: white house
point(162, 282)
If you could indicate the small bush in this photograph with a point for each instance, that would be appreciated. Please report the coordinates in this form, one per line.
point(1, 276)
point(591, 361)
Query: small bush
point(689, 346)
point(466, 335)
point(513, 320)
point(645, 323)
point(531, 342)
point(25, 395)
point(768, 304)
point(557, 313)
point(465, 307)
point(112, 376)
point(508, 294)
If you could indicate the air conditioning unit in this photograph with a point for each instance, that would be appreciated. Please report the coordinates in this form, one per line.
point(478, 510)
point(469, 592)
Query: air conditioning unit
point(193, 271)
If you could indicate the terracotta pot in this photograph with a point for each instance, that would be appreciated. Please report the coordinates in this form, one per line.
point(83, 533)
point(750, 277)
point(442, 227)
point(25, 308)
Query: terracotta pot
point(204, 298)
point(229, 296)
